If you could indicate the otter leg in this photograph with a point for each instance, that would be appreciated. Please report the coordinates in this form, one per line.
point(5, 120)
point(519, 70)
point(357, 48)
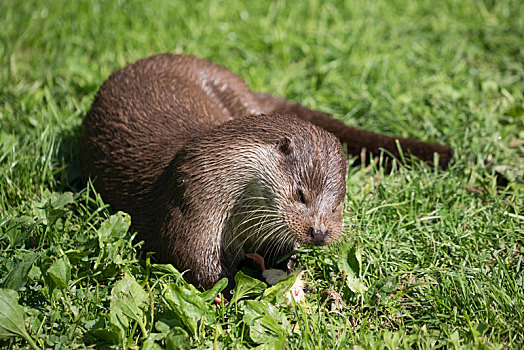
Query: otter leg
point(228, 273)
point(226, 293)
point(358, 139)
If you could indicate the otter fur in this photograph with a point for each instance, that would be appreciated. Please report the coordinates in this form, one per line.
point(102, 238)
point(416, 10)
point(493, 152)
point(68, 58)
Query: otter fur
point(210, 170)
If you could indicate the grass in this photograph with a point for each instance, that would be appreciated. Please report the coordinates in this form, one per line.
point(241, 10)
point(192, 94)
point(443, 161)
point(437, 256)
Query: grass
point(441, 252)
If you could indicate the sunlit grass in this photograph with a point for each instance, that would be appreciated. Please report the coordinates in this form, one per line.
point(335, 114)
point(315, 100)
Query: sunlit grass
point(442, 252)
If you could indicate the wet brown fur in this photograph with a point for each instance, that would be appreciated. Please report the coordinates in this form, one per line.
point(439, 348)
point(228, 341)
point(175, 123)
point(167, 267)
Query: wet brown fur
point(187, 149)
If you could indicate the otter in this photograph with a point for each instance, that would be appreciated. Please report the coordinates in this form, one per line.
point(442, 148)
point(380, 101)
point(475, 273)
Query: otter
point(210, 170)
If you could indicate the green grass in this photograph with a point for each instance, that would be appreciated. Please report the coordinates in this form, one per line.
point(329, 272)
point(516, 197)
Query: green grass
point(442, 252)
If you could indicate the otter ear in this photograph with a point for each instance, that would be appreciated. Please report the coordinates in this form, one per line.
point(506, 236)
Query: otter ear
point(285, 145)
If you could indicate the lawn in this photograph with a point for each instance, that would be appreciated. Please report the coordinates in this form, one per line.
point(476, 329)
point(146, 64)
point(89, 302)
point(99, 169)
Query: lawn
point(429, 258)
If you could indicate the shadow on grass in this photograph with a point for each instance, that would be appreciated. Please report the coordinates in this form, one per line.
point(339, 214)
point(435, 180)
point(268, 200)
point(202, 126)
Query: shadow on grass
point(68, 159)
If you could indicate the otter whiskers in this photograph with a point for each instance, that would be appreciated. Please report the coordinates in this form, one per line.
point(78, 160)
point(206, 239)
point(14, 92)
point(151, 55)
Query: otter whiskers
point(258, 224)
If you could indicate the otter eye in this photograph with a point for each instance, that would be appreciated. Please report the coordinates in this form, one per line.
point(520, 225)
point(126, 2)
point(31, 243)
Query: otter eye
point(301, 197)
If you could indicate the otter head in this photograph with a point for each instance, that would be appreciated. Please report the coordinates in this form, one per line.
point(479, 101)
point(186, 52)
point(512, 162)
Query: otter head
point(311, 199)
point(295, 189)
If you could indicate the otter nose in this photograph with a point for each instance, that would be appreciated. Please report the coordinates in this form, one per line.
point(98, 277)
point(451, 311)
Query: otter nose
point(317, 236)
